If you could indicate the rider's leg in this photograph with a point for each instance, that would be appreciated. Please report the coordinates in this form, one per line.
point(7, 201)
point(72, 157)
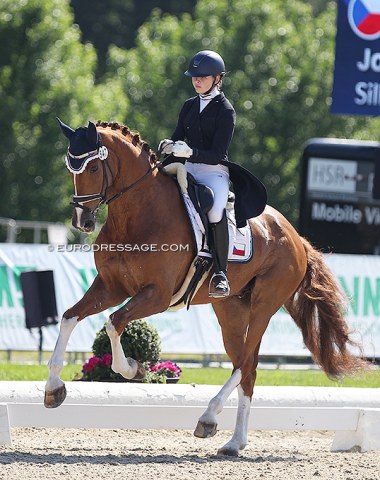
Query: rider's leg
point(219, 286)
point(217, 178)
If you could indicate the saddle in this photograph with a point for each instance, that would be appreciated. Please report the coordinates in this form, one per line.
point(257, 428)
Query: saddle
point(202, 199)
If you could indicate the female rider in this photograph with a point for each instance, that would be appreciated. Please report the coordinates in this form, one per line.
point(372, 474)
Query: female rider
point(203, 134)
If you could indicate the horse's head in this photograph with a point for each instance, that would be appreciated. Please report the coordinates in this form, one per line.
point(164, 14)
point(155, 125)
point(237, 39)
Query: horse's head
point(85, 159)
point(96, 168)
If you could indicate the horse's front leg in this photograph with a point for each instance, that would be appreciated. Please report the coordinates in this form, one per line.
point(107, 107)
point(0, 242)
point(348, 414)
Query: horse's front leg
point(96, 299)
point(148, 301)
point(55, 390)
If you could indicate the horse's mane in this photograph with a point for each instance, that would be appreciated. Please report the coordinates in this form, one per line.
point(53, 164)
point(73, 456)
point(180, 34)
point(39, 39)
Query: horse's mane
point(134, 137)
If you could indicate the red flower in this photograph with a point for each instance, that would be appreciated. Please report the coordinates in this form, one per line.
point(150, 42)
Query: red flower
point(90, 365)
point(106, 359)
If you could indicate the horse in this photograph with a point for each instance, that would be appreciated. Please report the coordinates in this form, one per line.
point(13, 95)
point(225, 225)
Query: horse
point(112, 164)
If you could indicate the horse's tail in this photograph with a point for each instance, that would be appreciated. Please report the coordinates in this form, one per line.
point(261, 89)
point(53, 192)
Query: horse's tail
point(318, 307)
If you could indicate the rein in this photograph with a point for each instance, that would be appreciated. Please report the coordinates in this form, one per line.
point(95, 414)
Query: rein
point(102, 154)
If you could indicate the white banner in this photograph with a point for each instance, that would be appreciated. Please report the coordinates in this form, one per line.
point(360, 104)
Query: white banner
point(193, 331)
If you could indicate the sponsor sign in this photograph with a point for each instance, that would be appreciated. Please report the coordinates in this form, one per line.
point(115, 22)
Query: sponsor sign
point(338, 211)
point(193, 331)
point(356, 88)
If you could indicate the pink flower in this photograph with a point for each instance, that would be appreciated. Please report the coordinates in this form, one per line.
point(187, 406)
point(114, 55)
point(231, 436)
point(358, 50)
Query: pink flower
point(90, 365)
point(106, 359)
point(167, 368)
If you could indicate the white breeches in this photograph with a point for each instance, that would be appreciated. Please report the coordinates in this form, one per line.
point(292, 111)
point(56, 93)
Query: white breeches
point(217, 178)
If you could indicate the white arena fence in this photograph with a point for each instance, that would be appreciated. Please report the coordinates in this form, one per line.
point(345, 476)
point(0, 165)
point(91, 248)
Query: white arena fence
point(352, 413)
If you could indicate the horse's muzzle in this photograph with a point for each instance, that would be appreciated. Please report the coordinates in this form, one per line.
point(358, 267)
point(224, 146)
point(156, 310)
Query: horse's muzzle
point(83, 220)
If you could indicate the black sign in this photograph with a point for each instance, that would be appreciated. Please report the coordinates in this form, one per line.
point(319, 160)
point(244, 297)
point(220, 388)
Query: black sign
point(339, 211)
point(39, 298)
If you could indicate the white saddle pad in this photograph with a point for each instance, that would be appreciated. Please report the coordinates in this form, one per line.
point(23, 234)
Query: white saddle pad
point(240, 239)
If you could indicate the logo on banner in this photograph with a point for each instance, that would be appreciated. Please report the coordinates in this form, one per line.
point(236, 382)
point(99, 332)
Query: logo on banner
point(364, 18)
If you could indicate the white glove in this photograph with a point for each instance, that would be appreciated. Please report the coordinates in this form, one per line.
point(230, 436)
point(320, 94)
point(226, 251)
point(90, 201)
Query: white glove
point(181, 149)
point(165, 146)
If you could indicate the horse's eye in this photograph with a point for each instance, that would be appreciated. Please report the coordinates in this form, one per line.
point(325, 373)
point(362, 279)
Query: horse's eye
point(94, 169)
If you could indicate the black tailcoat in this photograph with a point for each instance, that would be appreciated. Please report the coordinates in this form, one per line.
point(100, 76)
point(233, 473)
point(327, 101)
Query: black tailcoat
point(209, 134)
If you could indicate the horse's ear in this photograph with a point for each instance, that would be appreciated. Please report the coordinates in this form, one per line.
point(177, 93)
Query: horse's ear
point(66, 130)
point(92, 134)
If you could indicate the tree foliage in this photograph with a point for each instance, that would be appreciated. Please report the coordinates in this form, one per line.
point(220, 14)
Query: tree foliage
point(45, 72)
point(116, 22)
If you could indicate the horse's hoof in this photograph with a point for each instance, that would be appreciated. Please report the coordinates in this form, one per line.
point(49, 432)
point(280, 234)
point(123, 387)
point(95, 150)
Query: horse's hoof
point(141, 372)
point(55, 398)
point(205, 430)
point(228, 452)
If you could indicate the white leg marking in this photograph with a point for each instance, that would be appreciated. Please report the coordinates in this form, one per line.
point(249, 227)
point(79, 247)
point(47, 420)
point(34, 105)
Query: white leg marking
point(217, 403)
point(240, 437)
point(120, 364)
point(56, 361)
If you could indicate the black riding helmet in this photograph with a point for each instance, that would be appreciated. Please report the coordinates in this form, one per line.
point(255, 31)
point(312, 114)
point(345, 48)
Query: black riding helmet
point(205, 63)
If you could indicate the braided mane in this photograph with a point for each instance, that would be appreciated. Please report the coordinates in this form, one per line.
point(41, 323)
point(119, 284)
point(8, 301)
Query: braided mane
point(134, 137)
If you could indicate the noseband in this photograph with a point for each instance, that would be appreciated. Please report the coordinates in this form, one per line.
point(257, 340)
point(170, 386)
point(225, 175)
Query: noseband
point(102, 153)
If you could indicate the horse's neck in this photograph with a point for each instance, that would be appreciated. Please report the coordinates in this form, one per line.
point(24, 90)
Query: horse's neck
point(144, 204)
point(131, 214)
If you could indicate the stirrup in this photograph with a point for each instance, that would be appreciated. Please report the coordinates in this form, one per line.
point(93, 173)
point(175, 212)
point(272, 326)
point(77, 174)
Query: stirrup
point(219, 286)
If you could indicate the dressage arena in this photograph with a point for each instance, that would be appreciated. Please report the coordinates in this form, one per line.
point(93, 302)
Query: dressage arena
point(161, 454)
point(119, 452)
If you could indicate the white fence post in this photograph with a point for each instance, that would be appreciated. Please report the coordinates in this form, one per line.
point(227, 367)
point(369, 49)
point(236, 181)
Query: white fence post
point(5, 433)
point(365, 438)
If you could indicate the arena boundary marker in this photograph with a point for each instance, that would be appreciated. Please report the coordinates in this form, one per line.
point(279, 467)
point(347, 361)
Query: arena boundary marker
point(354, 427)
point(352, 413)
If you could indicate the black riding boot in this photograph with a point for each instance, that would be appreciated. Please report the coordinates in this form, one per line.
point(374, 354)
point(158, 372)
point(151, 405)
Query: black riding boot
point(219, 286)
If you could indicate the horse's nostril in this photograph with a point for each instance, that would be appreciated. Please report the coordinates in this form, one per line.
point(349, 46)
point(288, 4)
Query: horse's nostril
point(88, 224)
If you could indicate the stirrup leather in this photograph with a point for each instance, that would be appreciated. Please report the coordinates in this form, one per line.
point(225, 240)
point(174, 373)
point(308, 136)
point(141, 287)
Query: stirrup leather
point(219, 286)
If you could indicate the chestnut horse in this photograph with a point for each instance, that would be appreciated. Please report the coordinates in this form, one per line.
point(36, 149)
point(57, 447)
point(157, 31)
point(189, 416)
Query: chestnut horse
point(114, 166)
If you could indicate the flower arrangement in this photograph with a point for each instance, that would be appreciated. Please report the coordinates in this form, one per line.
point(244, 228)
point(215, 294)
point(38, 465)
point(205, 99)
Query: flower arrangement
point(99, 369)
point(168, 368)
point(140, 340)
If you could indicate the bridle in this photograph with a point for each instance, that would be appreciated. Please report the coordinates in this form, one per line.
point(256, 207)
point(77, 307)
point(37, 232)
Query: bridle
point(102, 153)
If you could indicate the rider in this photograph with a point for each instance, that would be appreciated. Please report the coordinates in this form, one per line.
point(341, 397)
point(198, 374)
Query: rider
point(203, 134)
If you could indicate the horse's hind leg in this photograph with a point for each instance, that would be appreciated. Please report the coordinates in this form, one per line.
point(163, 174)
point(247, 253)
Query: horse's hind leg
point(96, 299)
point(269, 293)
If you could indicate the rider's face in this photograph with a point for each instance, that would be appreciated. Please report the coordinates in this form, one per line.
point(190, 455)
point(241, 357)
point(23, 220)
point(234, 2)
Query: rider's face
point(203, 84)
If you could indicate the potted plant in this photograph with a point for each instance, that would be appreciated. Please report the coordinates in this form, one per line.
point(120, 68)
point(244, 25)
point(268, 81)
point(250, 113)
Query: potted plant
point(141, 341)
point(168, 369)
